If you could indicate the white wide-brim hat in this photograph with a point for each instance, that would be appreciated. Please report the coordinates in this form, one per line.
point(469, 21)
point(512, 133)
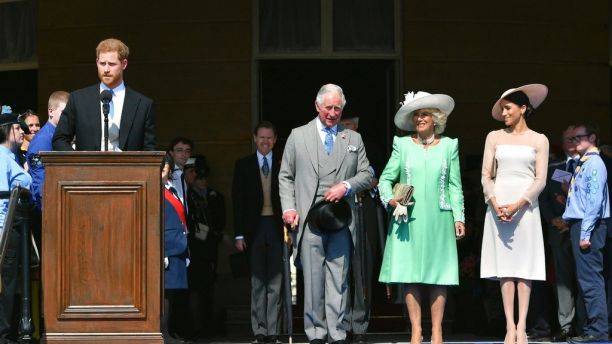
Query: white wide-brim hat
point(535, 92)
point(421, 100)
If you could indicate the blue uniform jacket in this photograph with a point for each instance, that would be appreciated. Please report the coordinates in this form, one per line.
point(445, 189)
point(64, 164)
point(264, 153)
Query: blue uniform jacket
point(175, 244)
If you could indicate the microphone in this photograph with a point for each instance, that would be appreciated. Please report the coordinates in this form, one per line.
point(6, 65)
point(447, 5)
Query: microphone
point(105, 97)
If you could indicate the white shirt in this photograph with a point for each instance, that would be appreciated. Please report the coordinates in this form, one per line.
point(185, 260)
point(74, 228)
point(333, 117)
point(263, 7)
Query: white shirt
point(179, 184)
point(114, 122)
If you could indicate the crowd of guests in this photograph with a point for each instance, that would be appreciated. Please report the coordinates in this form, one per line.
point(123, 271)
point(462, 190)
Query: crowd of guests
point(327, 189)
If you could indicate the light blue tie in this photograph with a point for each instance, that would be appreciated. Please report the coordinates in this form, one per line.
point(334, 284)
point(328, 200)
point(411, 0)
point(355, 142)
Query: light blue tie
point(329, 140)
point(111, 104)
point(113, 129)
point(265, 167)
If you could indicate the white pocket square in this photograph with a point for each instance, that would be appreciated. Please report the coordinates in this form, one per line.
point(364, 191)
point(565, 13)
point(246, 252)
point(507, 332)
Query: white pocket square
point(351, 148)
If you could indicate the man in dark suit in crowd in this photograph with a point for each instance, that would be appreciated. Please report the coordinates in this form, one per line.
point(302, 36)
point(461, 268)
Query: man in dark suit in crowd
point(552, 205)
point(180, 149)
point(206, 222)
point(131, 124)
point(258, 225)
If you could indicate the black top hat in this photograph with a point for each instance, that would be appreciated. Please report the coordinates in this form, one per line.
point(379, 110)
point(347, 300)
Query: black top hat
point(330, 216)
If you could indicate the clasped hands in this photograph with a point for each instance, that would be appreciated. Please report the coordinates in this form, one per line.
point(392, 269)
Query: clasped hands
point(506, 212)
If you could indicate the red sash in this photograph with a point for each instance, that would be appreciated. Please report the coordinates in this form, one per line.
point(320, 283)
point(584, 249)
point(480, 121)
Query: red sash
point(177, 205)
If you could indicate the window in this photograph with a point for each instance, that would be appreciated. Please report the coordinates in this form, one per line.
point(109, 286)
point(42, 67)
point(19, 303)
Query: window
point(18, 26)
point(326, 27)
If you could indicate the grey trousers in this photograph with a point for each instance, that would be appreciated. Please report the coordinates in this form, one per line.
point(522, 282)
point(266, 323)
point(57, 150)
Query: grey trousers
point(325, 258)
point(266, 262)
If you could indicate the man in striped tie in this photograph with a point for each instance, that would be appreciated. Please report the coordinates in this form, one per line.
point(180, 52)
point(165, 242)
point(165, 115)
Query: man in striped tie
point(259, 230)
point(588, 213)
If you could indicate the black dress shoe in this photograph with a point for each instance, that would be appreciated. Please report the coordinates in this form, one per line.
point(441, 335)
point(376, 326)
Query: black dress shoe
point(317, 341)
point(259, 339)
point(587, 338)
point(562, 336)
point(540, 338)
point(338, 342)
point(359, 339)
point(272, 340)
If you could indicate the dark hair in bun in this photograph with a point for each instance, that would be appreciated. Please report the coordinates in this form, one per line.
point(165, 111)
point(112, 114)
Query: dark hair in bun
point(520, 98)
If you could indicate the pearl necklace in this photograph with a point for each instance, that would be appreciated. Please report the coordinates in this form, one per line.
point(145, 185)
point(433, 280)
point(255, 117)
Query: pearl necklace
point(427, 141)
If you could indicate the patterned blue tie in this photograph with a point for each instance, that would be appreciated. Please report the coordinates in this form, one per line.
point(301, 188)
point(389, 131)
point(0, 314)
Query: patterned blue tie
point(329, 140)
point(265, 167)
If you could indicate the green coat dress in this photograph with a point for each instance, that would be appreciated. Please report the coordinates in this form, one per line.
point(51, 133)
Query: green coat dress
point(424, 249)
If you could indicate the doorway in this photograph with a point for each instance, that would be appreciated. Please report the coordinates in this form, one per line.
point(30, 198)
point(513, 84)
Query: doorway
point(286, 95)
point(287, 90)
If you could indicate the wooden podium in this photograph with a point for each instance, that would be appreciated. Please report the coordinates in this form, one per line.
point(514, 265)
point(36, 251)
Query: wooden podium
point(102, 243)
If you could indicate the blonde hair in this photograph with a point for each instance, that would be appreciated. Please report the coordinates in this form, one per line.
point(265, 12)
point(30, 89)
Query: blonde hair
point(113, 44)
point(439, 119)
point(56, 98)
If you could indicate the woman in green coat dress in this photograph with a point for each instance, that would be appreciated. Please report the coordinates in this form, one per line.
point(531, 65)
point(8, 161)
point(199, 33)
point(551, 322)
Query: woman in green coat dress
point(421, 249)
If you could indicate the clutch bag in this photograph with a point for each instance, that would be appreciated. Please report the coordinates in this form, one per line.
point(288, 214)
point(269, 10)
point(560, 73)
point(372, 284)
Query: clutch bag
point(402, 193)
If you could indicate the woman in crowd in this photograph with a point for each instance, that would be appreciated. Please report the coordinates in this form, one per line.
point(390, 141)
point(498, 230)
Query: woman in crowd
point(514, 171)
point(421, 249)
point(31, 119)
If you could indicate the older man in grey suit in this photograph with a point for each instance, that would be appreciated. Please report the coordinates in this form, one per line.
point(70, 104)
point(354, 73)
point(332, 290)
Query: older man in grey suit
point(323, 161)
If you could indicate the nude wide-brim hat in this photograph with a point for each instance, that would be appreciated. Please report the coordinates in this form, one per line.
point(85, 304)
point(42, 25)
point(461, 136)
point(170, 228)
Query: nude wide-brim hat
point(421, 100)
point(535, 92)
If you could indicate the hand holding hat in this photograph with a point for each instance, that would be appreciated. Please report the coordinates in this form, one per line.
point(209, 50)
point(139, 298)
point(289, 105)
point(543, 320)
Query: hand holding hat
point(329, 216)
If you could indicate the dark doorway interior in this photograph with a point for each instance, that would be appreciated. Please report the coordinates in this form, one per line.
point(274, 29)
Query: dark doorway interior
point(19, 90)
point(288, 89)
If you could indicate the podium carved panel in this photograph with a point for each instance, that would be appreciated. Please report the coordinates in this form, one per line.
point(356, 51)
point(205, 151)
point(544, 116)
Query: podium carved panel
point(102, 242)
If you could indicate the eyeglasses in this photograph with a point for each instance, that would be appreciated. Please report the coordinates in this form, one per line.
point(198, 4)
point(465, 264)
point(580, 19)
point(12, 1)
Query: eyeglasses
point(577, 138)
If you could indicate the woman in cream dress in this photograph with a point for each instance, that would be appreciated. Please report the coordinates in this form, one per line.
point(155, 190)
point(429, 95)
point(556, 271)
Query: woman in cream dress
point(513, 175)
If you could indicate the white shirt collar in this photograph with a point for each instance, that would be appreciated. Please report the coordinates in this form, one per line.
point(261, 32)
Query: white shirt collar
point(119, 89)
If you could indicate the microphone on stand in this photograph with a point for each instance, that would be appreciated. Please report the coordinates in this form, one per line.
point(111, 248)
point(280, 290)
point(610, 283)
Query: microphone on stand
point(105, 97)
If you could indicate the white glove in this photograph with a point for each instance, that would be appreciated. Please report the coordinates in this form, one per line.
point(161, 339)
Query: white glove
point(166, 262)
point(400, 213)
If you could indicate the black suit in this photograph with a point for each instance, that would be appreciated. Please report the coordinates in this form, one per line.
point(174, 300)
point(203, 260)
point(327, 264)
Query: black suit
point(205, 212)
point(569, 304)
point(247, 194)
point(264, 238)
point(82, 117)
